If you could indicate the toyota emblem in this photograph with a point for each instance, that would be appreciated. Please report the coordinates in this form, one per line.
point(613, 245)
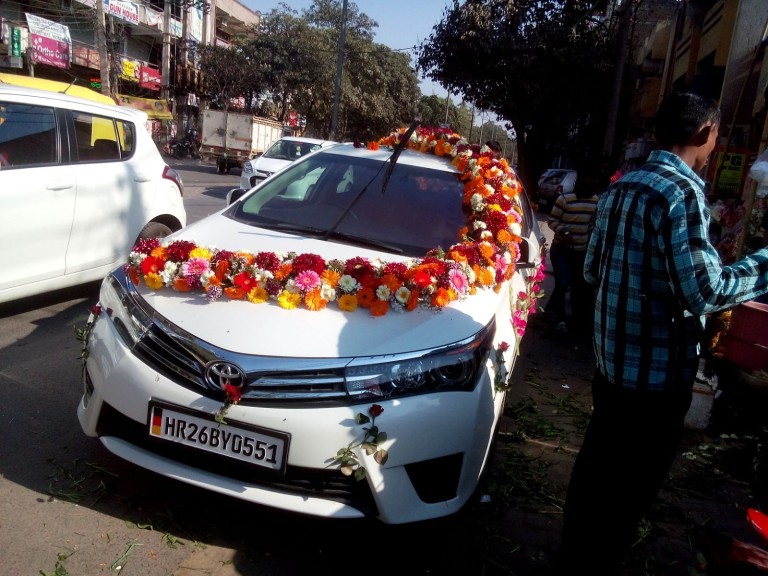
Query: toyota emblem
point(219, 374)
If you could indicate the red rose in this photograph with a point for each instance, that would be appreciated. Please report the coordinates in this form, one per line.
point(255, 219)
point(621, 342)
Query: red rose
point(375, 410)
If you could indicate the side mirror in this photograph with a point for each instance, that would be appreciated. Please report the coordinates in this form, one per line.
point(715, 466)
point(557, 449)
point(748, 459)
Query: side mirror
point(234, 195)
point(530, 258)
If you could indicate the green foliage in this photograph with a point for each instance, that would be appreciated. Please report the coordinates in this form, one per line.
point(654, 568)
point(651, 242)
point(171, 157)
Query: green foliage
point(543, 65)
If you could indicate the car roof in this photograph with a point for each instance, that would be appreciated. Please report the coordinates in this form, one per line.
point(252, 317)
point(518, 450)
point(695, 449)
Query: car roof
point(407, 157)
point(62, 100)
point(304, 140)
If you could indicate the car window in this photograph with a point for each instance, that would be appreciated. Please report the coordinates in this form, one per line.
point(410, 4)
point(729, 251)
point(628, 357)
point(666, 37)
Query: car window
point(27, 135)
point(101, 139)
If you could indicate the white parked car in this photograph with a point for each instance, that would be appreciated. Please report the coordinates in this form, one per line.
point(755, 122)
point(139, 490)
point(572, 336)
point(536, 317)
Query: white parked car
point(311, 348)
point(279, 154)
point(552, 184)
point(80, 182)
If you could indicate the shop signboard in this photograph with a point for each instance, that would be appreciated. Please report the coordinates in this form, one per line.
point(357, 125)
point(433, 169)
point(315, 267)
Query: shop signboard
point(150, 78)
point(50, 41)
point(128, 11)
point(727, 170)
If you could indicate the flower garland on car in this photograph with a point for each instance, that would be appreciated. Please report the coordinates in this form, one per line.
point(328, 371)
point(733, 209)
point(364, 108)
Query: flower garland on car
point(484, 257)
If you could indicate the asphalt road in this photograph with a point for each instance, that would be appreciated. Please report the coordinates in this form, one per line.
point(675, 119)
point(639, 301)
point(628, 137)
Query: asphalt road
point(70, 508)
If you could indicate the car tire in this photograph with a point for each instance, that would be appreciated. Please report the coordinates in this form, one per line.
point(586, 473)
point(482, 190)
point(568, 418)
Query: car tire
point(154, 230)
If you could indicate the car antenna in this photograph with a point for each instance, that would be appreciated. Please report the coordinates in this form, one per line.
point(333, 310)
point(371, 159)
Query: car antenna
point(396, 154)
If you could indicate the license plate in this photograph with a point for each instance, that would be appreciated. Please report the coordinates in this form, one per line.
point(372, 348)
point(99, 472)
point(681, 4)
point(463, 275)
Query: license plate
point(259, 446)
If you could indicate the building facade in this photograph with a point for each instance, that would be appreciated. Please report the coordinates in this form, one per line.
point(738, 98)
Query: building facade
point(142, 53)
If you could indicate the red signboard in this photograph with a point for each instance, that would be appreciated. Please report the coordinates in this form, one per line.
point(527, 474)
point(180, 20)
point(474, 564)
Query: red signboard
point(49, 51)
point(150, 78)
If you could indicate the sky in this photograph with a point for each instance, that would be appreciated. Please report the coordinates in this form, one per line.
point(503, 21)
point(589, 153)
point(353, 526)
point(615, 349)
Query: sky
point(403, 24)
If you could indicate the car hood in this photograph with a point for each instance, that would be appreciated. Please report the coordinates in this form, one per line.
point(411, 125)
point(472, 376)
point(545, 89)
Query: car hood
point(269, 330)
point(269, 164)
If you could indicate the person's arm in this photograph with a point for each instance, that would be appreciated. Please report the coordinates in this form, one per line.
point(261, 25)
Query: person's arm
point(696, 270)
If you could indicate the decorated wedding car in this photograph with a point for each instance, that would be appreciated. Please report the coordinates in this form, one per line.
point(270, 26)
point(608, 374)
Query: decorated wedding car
point(337, 341)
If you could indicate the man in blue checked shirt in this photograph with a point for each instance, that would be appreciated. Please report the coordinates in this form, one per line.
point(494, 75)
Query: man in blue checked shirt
point(656, 276)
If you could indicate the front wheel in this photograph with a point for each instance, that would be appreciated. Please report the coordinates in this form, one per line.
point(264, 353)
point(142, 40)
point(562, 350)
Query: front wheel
point(154, 230)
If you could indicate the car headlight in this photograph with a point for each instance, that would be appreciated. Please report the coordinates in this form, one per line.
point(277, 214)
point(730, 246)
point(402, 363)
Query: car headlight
point(247, 168)
point(454, 368)
point(117, 299)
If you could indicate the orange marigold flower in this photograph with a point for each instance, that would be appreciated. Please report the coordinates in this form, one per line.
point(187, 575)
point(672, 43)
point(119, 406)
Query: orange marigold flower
point(485, 276)
point(379, 307)
point(347, 302)
point(181, 285)
point(441, 298)
point(442, 148)
point(413, 301)
point(330, 277)
point(485, 250)
point(159, 252)
point(234, 292)
point(314, 301)
point(222, 267)
point(257, 295)
point(214, 281)
point(365, 296)
point(153, 281)
point(372, 146)
point(504, 237)
point(283, 271)
point(391, 281)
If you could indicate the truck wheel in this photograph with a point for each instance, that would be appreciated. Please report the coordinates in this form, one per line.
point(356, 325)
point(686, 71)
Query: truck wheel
point(220, 166)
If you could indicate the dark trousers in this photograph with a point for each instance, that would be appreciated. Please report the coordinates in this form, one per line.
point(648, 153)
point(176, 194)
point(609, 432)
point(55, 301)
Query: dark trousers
point(629, 446)
point(568, 272)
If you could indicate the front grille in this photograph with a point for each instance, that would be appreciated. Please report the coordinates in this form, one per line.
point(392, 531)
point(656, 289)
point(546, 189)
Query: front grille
point(183, 358)
point(328, 484)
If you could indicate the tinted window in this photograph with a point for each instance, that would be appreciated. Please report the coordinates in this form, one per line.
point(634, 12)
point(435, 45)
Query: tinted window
point(27, 135)
point(102, 139)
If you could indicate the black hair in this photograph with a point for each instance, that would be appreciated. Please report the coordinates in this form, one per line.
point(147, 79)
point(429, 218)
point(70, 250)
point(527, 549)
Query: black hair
point(681, 116)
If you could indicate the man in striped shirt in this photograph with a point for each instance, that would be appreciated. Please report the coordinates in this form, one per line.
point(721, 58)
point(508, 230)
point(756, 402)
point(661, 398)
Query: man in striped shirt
point(656, 276)
point(570, 220)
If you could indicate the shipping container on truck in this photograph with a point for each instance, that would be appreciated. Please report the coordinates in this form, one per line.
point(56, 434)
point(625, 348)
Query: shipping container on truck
point(231, 138)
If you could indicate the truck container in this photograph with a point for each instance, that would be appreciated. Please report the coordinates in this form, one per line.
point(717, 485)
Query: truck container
point(231, 138)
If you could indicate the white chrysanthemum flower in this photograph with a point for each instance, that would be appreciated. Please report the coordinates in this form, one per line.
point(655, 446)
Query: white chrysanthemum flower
point(478, 225)
point(327, 293)
point(383, 292)
point(490, 189)
point(291, 287)
point(260, 274)
point(516, 229)
point(402, 295)
point(206, 276)
point(476, 201)
point(348, 284)
point(136, 258)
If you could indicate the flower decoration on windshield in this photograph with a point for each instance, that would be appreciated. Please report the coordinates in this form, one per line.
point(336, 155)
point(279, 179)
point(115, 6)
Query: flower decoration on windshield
point(483, 256)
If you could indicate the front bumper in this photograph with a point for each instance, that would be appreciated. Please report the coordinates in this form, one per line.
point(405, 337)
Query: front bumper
point(437, 443)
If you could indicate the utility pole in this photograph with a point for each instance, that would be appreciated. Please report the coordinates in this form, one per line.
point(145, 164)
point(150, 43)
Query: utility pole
point(166, 63)
point(101, 39)
point(339, 68)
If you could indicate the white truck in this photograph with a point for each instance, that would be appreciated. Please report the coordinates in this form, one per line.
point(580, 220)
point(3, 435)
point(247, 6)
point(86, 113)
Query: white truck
point(231, 138)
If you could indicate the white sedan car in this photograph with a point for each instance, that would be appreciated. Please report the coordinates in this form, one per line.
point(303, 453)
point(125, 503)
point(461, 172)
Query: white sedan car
point(279, 155)
point(329, 343)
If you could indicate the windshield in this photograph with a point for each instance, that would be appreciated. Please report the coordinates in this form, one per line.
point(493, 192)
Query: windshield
point(340, 198)
point(290, 149)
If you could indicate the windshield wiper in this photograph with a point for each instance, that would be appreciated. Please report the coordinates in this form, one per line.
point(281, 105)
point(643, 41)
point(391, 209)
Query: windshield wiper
point(396, 154)
point(366, 242)
point(289, 227)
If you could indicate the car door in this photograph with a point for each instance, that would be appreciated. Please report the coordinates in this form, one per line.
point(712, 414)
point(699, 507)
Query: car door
point(38, 195)
point(108, 195)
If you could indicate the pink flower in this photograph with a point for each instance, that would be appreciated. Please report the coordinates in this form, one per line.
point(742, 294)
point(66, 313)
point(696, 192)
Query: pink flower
point(307, 280)
point(195, 267)
point(458, 280)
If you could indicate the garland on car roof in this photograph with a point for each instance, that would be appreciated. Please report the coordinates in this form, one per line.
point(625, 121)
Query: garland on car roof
point(483, 258)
